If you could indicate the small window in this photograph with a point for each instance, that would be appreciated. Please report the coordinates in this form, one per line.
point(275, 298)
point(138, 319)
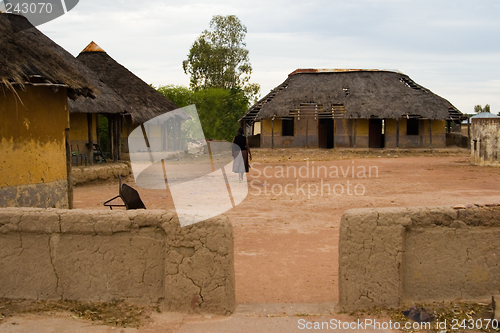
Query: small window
point(287, 127)
point(256, 128)
point(412, 126)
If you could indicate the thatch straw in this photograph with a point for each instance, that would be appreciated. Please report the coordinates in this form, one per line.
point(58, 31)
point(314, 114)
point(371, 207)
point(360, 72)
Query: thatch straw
point(27, 56)
point(363, 93)
point(144, 101)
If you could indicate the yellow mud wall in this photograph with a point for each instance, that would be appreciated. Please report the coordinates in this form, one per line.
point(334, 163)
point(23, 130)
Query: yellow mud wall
point(127, 126)
point(344, 133)
point(32, 142)
point(362, 133)
point(305, 133)
point(362, 127)
point(438, 133)
point(267, 126)
point(79, 126)
point(78, 134)
point(422, 140)
point(391, 126)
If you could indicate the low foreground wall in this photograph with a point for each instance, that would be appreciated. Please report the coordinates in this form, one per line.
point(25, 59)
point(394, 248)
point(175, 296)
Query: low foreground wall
point(143, 257)
point(389, 257)
point(84, 174)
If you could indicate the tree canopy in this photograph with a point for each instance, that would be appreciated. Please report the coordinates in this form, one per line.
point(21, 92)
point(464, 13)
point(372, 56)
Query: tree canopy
point(479, 108)
point(218, 109)
point(218, 58)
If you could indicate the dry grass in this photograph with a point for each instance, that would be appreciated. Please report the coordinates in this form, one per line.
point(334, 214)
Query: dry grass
point(117, 313)
point(458, 316)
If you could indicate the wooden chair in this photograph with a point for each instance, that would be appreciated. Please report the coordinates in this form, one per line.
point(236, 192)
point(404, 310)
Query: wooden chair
point(97, 153)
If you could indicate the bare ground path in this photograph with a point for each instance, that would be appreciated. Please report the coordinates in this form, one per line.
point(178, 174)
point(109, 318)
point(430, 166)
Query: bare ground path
point(286, 242)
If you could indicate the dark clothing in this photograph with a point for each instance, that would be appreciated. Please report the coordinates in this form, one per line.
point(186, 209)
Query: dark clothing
point(239, 167)
point(241, 141)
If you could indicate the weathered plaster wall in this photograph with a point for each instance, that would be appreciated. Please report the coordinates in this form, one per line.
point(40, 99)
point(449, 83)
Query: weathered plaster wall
point(392, 256)
point(279, 141)
point(143, 257)
point(344, 130)
point(79, 132)
point(485, 141)
point(32, 147)
point(415, 141)
point(53, 194)
point(344, 133)
point(104, 171)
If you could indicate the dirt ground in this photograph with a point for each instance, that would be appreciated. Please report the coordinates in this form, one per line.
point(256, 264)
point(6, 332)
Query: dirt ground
point(286, 230)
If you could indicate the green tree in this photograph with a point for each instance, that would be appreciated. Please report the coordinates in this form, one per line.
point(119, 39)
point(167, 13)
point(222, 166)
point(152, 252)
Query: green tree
point(218, 109)
point(180, 95)
point(219, 59)
point(479, 108)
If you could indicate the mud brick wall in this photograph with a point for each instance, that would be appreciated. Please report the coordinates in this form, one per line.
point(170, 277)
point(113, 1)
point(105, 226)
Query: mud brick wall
point(143, 257)
point(393, 256)
point(84, 174)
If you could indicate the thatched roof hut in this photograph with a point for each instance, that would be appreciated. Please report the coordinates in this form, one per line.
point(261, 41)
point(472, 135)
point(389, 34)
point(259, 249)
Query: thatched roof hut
point(143, 100)
point(107, 101)
point(360, 93)
point(29, 57)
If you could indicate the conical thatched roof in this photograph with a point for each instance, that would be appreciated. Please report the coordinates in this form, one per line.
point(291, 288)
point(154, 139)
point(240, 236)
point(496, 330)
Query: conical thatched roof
point(144, 101)
point(27, 56)
point(108, 101)
point(361, 93)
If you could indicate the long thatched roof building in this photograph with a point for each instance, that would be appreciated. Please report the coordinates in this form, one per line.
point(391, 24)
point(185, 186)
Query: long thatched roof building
point(334, 99)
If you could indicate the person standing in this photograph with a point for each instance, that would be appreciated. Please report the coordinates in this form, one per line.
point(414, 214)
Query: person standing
point(238, 167)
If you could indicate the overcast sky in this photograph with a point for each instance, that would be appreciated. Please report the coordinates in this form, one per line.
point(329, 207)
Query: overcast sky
point(451, 47)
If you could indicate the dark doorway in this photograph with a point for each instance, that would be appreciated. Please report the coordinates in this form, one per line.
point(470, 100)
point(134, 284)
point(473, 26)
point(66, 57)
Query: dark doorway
point(103, 135)
point(287, 127)
point(376, 134)
point(325, 133)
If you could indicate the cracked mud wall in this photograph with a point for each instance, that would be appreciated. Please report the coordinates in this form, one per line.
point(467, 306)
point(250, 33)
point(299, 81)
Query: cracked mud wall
point(143, 257)
point(200, 245)
point(392, 256)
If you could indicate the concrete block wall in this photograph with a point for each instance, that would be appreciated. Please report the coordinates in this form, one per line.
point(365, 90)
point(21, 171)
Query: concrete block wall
point(143, 257)
point(392, 256)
